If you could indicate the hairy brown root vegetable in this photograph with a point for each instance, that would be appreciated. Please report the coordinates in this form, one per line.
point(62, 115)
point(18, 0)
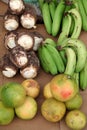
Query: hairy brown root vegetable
point(18, 56)
point(28, 18)
point(11, 22)
point(7, 68)
point(16, 6)
point(10, 40)
point(38, 39)
point(32, 68)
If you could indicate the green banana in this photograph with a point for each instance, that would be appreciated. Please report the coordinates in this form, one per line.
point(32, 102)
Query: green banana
point(83, 77)
point(72, 26)
point(80, 50)
point(56, 57)
point(50, 41)
point(63, 55)
point(83, 14)
point(41, 2)
point(58, 18)
point(42, 61)
point(76, 77)
point(62, 37)
point(49, 61)
point(85, 5)
point(55, 2)
point(61, 45)
point(78, 22)
point(66, 25)
point(71, 61)
point(52, 8)
point(47, 17)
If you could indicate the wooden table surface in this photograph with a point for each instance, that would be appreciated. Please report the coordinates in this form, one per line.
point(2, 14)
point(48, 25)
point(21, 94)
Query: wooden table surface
point(38, 123)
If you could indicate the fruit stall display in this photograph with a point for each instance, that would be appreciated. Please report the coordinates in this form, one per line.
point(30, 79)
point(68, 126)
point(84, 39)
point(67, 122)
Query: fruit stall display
point(43, 65)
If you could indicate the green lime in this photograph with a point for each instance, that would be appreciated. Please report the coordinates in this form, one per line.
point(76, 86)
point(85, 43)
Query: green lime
point(13, 94)
point(74, 103)
point(6, 114)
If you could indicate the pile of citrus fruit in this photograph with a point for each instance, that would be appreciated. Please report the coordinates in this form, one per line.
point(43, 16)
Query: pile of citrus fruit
point(18, 99)
point(62, 100)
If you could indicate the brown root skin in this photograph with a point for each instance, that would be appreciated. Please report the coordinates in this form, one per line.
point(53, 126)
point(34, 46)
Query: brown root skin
point(31, 70)
point(16, 11)
point(18, 56)
point(8, 15)
point(8, 37)
point(33, 59)
point(39, 20)
point(31, 9)
point(37, 34)
point(6, 66)
point(38, 39)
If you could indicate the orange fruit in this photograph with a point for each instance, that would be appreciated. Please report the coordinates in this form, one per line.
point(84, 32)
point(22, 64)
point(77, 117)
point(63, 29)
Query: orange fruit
point(32, 87)
point(76, 119)
point(63, 87)
point(47, 91)
point(28, 109)
point(53, 110)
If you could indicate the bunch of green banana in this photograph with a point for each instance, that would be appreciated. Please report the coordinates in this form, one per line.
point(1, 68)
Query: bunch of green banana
point(52, 13)
point(50, 57)
point(76, 65)
point(69, 54)
point(70, 58)
point(49, 66)
point(80, 50)
point(72, 14)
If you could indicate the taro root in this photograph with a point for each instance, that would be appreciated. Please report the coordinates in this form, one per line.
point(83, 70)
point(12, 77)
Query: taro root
point(28, 18)
point(32, 68)
point(16, 6)
point(25, 40)
point(7, 68)
point(38, 39)
point(10, 39)
point(11, 22)
point(18, 56)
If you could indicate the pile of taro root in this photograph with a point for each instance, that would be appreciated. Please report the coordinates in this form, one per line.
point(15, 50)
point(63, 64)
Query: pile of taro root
point(22, 46)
